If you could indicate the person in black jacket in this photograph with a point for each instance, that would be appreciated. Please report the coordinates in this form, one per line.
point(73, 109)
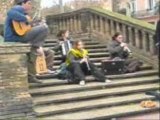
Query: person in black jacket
point(64, 44)
point(119, 50)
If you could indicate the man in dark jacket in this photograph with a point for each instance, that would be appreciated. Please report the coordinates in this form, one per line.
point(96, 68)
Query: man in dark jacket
point(120, 50)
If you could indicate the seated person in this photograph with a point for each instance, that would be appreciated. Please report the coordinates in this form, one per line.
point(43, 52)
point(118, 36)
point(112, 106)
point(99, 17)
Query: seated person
point(120, 50)
point(35, 36)
point(64, 44)
point(79, 65)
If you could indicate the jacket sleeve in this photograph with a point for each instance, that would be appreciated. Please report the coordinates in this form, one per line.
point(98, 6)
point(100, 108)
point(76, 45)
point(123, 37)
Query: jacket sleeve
point(114, 49)
point(16, 15)
point(72, 59)
point(57, 47)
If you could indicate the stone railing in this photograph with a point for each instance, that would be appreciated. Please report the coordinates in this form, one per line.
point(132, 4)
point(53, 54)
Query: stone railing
point(15, 100)
point(138, 34)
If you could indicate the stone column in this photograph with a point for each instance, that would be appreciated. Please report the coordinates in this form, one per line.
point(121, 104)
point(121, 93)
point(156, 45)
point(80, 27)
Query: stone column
point(107, 28)
point(152, 45)
point(144, 44)
point(71, 24)
point(79, 23)
point(91, 23)
point(112, 28)
point(85, 22)
point(15, 99)
point(75, 23)
point(137, 40)
point(130, 36)
point(118, 27)
point(101, 24)
point(96, 23)
point(124, 32)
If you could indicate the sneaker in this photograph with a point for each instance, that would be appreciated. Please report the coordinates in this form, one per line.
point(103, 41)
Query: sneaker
point(82, 82)
point(108, 81)
point(50, 71)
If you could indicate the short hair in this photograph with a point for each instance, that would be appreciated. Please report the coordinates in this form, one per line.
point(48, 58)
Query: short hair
point(61, 32)
point(20, 2)
point(116, 35)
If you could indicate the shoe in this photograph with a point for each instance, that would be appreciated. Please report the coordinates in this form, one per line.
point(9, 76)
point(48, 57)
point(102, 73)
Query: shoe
point(33, 79)
point(82, 83)
point(50, 71)
point(108, 81)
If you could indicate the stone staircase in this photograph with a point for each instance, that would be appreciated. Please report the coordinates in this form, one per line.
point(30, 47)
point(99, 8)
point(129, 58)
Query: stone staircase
point(55, 99)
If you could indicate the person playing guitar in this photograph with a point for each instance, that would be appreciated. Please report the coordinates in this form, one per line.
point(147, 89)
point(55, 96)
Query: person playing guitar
point(19, 29)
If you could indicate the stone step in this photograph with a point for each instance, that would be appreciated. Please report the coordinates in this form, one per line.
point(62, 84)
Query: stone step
point(89, 86)
point(56, 82)
point(93, 94)
point(105, 113)
point(86, 46)
point(135, 74)
point(98, 64)
point(92, 55)
point(89, 104)
point(53, 43)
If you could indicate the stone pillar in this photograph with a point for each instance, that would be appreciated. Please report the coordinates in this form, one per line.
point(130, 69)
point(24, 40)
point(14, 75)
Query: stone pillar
point(75, 23)
point(96, 23)
point(144, 44)
point(101, 24)
point(68, 24)
point(71, 24)
point(130, 39)
point(91, 23)
point(79, 23)
point(152, 45)
point(15, 100)
point(137, 40)
point(118, 27)
point(112, 27)
point(124, 32)
point(106, 28)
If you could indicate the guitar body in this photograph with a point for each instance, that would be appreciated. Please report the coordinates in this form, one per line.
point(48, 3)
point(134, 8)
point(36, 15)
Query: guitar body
point(21, 28)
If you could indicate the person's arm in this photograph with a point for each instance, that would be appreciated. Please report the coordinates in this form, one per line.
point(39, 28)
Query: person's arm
point(57, 47)
point(114, 49)
point(73, 60)
point(17, 16)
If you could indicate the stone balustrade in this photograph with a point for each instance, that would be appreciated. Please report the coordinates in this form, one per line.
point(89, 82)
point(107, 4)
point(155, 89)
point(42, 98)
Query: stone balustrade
point(138, 34)
point(15, 100)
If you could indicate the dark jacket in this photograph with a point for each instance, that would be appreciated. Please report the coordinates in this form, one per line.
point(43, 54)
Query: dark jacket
point(116, 50)
point(16, 13)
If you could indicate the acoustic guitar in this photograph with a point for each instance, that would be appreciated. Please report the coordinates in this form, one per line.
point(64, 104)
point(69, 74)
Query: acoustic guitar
point(21, 28)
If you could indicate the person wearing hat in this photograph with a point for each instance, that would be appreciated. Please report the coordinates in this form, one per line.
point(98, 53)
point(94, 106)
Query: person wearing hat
point(35, 36)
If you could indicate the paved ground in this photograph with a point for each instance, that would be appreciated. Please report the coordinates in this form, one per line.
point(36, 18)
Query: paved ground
point(151, 116)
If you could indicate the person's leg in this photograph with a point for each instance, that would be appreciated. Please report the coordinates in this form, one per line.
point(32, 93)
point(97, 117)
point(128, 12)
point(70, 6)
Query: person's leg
point(36, 36)
point(49, 55)
point(76, 70)
point(97, 73)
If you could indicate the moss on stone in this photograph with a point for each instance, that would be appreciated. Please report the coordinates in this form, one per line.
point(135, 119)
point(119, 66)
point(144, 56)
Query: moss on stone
point(124, 18)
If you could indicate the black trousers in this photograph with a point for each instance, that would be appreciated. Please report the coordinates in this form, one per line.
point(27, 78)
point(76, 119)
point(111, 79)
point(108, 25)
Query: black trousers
point(79, 71)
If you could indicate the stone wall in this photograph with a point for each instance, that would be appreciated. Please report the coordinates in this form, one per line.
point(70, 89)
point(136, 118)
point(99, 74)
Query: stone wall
point(15, 100)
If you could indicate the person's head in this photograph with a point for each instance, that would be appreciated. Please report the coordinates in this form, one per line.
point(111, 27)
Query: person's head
point(118, 37)
point(78, 45)
point(27, 4)
point(63, 34)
